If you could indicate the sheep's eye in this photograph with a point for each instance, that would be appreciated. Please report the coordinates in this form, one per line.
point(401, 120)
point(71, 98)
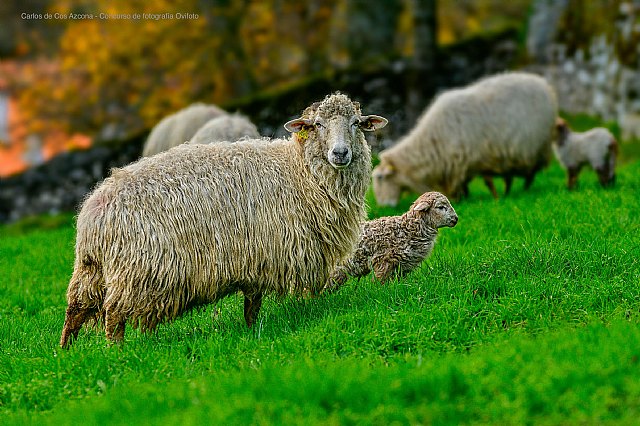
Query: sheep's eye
point(441, 207)
point(355, 124)
point(319, 125)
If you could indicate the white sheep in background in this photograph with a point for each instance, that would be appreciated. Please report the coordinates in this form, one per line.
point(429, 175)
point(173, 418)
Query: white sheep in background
point(179, 127)
point(397, 244)
point(596, 147)
point(229, 127)
point(500, 126)
point(197, 223)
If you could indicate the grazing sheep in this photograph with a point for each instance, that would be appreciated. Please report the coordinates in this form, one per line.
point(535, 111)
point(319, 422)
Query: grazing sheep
point(230, 127)
point(179, 127)
point(397, 244)
point(596, 147)
point(197, 223)
point(499, 126)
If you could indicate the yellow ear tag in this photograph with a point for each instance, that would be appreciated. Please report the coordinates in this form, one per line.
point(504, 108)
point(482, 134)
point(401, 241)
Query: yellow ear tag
point(303, 134)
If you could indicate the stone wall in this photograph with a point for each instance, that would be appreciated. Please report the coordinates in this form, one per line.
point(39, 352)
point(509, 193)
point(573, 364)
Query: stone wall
point(596, 73)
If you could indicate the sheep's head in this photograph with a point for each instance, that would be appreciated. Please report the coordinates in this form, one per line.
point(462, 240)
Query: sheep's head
point(435, 209)
point(385, 187)
point(335, 125)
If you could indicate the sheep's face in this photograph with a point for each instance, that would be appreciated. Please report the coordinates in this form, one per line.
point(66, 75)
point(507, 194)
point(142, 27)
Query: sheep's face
point(337, 125)
point(435, 209)
point(385, 188)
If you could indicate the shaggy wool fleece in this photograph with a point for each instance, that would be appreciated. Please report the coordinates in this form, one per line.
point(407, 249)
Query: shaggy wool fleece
point(199, 222)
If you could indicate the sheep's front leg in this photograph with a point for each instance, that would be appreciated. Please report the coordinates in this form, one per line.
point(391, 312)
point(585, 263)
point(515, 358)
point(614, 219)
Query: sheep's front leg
point(251, 308)
point(508, 181)
point(488, 181)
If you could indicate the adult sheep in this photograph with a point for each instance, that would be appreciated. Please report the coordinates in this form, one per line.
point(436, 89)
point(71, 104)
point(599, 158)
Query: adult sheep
point(500, 126)
point(229, 127)
point(179, 127)
point(197, 223)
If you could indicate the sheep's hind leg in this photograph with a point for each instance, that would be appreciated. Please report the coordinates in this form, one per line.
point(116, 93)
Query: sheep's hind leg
point(75, 317)
point(114, 325)
point(251, 308)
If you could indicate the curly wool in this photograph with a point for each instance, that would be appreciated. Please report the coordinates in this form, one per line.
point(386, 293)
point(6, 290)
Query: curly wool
point(230, 127)
point(199, 222)
point(179, 127)
point(397, 244)
point(500, 125)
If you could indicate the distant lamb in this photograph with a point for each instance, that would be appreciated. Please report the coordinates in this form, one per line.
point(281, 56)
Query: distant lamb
point(179, 127)
point(500, 126)
point(197, 223)
point(229, 127)
point(596, 147)
point(397, 244)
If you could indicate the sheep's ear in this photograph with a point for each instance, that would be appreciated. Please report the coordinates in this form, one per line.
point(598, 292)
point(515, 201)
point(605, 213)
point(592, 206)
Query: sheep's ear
point(422, 206)
point(297, 124)
point(370, 123)
point(383, 170)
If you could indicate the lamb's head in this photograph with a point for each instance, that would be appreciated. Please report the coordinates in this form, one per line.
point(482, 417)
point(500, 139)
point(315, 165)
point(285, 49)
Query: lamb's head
point(435, 209)
point(332, 130)
point(562, 131)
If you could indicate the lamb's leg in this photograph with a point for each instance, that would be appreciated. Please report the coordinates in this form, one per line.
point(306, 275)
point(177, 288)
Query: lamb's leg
point(76, 316)
point(114, 325)
point(251, 308)
point(384, 271)
point(355, 267)
point(572, 174)
point(528, 179)
point(508, 181)
point(488, 180)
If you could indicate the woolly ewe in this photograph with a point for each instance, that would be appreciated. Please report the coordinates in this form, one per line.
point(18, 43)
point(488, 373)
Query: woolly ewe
point(397, 244)
point(499, 126)
point(230, 127)
point(596, 147)
point(179, 127)
point(197, 223)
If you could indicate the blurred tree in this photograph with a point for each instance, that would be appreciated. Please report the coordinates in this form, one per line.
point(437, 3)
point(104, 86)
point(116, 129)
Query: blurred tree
point(424, 54)
point(363, 33)
point(18, 35)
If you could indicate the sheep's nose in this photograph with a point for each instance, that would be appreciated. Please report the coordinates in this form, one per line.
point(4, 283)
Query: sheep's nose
point(340, 151)
point(454, 221)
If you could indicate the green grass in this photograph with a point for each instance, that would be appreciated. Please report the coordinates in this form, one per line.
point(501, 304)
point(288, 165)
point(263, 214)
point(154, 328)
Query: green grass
point(527, 312)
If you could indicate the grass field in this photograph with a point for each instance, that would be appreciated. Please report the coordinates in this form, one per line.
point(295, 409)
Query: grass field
point(527, 312)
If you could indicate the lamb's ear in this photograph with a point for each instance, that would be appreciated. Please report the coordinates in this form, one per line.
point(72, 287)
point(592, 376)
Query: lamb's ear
point(422, 206)
point(297, 124)
point(370, 123)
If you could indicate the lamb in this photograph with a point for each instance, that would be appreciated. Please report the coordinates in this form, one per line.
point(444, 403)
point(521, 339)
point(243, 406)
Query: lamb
point(230, 127)
point(596, 147)
point(179, 127)
point(397, 244)
point(500, 126)
point(197, 223)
